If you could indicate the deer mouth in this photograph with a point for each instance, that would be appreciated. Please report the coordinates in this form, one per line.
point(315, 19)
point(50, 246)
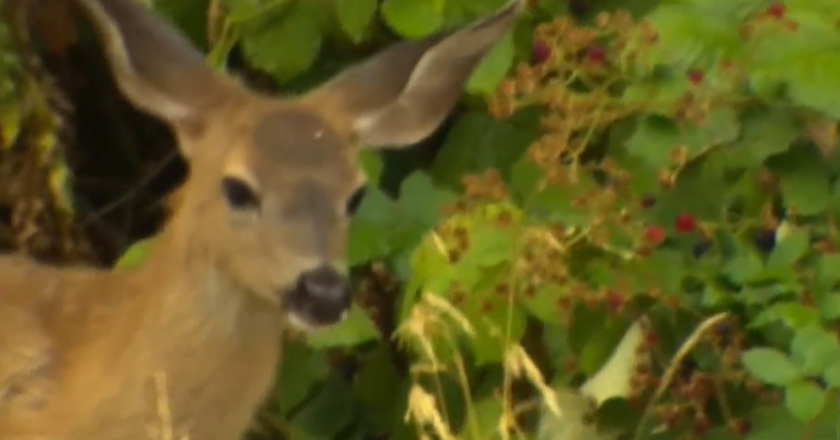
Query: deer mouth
point(319, 299)
point(307, 324)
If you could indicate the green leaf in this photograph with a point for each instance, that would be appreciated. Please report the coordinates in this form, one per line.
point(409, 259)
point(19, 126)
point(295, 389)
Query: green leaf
point(586, 323)
point(653, 140)
point(698, 191)
point(135, 255)
point(766, 131)
point(804, 399)
point(813, 349)
point(334, 402)
point(300, 370)
point(829, 305)
point(602, 344)
point(770, 365)
point(421, 201)
point(792, 314)
point(776, 422)
point(356, 329)
point(806, 75)
point(542, 302)
point(828, 271)
point(382, 227)
point(285, 44)
point(832, 374)
point(478, 142)
point(691, 36)
point(371, 164)
point(378, 386)
point(483, 421)
point(497, 326)
point(720, 126)
point(489, 247)
point(744, 268)
point(790, 249)
point(805, 180)
point(556, 340)
point(189, 16)
point(371, 230)
point(355, 17)
point(493, 68)
point(413, 19)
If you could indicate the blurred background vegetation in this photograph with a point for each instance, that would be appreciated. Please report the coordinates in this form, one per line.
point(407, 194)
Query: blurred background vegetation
point(635, 204)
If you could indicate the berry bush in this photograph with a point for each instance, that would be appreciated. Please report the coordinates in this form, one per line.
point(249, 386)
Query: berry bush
point(627, 230)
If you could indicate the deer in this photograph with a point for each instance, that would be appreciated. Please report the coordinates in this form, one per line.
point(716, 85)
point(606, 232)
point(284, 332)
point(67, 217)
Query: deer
point(253, 248)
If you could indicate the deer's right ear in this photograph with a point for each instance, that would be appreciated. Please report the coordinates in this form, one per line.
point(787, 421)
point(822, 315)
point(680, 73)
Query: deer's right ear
point(402, 94)
point(154, 65)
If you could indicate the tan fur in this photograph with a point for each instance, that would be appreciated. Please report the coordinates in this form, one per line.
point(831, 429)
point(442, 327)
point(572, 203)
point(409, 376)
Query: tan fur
point(81, 349)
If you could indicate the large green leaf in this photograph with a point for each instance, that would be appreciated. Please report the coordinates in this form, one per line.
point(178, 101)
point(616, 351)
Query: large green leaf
point(691, 37)
point(776, 422)
point(804, 399)
point(135, 255)
point(379, 386)
point(602, 344)
point(189, 16)
point(333, 402)
point(653, 140)
point(356, 16)
point(285, 43)
point(766, 131)
point(771, 366)
point(356, 329)
point(413, 19)
point(789, 250)
point(301, 369)
point(802, 63)
point(814, 349)
point(805, 180)
point(493, 68)
point(478, 142)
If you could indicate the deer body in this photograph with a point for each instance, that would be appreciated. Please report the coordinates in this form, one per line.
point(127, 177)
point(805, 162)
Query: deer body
point(215, 348)
point(187, 344)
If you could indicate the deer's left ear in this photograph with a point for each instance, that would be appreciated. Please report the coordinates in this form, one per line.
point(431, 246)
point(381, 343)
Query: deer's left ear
point(401, 95)
point(154, 65)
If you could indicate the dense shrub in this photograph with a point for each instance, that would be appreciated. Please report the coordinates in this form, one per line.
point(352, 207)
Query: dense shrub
point(661, 173)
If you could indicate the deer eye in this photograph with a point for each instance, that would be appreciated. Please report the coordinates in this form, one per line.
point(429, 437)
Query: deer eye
point(355, 200)
point(239, 194)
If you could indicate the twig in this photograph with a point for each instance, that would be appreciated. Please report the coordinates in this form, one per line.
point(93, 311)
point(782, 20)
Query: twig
point(119, 201)
point(674, 367)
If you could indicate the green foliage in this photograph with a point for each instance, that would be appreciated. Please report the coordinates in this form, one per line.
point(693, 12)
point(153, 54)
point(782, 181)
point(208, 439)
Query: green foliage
point(10, 73)
point(694, 127)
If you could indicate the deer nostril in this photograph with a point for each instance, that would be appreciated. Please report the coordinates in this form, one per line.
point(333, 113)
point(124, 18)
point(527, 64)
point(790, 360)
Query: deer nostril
point(322, 296)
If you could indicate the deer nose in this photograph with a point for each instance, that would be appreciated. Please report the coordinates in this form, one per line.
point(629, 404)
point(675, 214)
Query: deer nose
point(322, 296)
point(327, 285)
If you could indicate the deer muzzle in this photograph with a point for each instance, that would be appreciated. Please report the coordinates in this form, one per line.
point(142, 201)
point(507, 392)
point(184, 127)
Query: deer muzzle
point(321, 297)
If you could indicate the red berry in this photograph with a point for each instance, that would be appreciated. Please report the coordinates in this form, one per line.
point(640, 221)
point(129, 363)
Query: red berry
point(702, 425)
point(739, 427)
point(540, 52)
point(596, 54)
point(695, 76)
point(685, 223)
point(651, 339)
point(614, 301)
point(776, 10)
point(654, 235)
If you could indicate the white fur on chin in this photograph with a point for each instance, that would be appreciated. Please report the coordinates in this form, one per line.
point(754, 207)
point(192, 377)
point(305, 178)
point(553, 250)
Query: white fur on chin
point(308, 326)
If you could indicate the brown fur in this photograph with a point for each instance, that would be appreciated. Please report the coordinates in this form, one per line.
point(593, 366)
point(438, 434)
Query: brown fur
point(83, 351)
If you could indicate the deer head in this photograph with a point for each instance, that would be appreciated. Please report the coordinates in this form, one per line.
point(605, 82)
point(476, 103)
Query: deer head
point(272, 180)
